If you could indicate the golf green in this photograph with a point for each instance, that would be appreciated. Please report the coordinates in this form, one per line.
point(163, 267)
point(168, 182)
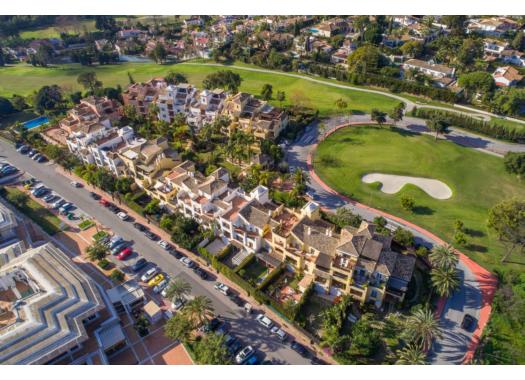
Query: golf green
point(477, 180)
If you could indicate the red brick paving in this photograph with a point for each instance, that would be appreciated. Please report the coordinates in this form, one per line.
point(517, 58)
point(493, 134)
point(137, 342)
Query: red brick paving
point(486, 280)
point(176, 356)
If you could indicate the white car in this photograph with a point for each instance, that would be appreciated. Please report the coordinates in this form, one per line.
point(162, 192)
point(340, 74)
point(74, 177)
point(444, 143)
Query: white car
point(76, 184)
point(280, 333)
point(164, 244)
point(150, 273)
point(161, 286)
point(265, 321)
point(187, 262)
point(244, 355)
point(224, 289)
point(123, 216)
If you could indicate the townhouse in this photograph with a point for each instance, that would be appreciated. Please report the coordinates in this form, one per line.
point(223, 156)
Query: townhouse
point(142, 96)
point(354, 261)
point(205, 107)
point(493, 26)
point(255, 116)
point(146, 160)
point(513, 57)
point(494, 48)
point(91, 110)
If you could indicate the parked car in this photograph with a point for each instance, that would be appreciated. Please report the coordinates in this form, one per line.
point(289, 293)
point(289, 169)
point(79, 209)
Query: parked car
point(94, 195)
point(468, 322)
point(211, 325)
point(36, 156)
point(150, 235)
point(104, 202)
point(224, 289)
point(58, 203)
point(187, 262)
point(164, 244)
point(161, 285)
point(41, 159)
point(65, 208)
point(150, 273)
point(31, 153)
point(316, 361)
point(244, 355)
point(237, 300)
point(252, 360)
point(264, 320)
point(116, 249)
point(114, 241)
point(178, 303)
point(49, 198)
point(76, 184)
point(234, 347)
point(156, 280)
point(201, 272)
point(139, 226)
point(114, 209)
point(23, 148)
point(125, 253)
point(299, 348)
point(123, 216)
point(279, 332)
point(139, 264)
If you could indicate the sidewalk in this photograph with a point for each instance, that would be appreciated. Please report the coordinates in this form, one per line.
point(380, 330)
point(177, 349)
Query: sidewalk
point(291, 330)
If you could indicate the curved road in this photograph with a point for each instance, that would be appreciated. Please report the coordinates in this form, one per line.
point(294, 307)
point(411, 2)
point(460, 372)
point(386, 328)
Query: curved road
point(456, 345)
point(409, 104)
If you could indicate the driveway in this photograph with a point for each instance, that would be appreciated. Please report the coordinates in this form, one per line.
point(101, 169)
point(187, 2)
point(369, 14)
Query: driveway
point(244, 327)
point(456, 344)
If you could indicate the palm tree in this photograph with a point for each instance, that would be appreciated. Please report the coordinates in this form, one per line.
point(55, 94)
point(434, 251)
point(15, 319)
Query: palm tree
point(97, 251)
point(444, 280)
point(411, 354)
point(177, 289)
point(443, 256)
point(422, 327)
point(199, 309)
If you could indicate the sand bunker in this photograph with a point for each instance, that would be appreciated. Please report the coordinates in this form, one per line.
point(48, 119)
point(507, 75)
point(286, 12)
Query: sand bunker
point(393, 183)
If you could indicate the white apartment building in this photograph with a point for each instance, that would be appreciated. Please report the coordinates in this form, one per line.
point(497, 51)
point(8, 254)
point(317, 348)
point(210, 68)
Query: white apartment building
point(98, 144)
point(174, 99)
point(205, 107)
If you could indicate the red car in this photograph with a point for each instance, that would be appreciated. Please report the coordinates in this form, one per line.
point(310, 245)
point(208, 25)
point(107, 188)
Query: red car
point(124, 253)
point(104, 202)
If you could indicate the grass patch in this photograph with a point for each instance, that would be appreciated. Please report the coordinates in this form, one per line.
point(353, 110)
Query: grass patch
point(23, 79)
point(85, 224)
point(99, 235)
point(37, 213)
point(478, 182)
point(253, 272)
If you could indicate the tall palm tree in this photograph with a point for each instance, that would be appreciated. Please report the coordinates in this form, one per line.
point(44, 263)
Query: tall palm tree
point(443, 256)
point(422, 327)
point(411, 354)
point(177, 289)
point(444, 280)
point(199, 309)
point(438, 125)
point(97, 251)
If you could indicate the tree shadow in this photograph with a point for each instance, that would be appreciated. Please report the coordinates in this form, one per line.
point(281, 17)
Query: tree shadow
point(478, 248)
point(423, 210)
point(474, 233)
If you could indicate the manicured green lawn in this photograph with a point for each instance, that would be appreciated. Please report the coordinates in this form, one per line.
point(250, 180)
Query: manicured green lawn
point(24, 79)
point(39, 214)
point(478, 181)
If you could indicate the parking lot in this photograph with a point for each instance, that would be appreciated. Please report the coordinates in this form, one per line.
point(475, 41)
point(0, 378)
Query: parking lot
point(244, 327)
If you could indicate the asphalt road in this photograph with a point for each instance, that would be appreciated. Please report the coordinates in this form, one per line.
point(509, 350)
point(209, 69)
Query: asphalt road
point(242, 326)
point(452, 346)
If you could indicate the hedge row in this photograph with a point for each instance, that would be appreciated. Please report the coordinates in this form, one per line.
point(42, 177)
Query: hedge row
point(469, 123)
point(393, 84)
point(272, 276)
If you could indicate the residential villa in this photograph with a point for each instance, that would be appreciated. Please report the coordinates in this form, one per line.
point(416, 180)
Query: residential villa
point(506, 76)
point(513, 57)
point(494, 47)
point(433, 69)
point(142, 95)
point(205, 107)
point(494, 26)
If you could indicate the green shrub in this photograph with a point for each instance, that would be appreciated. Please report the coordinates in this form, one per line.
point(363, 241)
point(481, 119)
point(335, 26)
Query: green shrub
point(85, 224)
point(104, 264)
point(117, 275)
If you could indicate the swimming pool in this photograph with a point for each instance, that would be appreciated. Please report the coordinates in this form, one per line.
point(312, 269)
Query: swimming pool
point(36, 122)
point(313, 30)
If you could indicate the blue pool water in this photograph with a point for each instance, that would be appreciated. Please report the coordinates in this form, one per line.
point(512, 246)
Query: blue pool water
point(314, 30)
point(36, 122)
